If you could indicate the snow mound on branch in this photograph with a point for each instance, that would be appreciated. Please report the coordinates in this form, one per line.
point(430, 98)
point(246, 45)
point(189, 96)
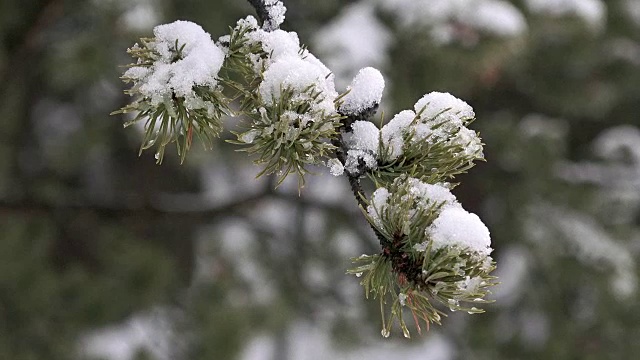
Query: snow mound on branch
point(456, 226)
point(437, 117)
point(362, 143)
point(199, 62)
point(278, 42)
point(453, 226)
point(364, 92)
point(298, 74)
point(289, 66)
point(437, 103)
point(434, 193)
point(393, 132)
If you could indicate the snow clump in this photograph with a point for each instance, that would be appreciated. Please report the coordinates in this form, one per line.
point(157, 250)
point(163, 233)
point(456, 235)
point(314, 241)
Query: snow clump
point(196, 62)
point(363, 143)
point(276, 10)
point(456, 226)
point(437, 117)
point(453, 227)
point(289, 66)
point(365, 92)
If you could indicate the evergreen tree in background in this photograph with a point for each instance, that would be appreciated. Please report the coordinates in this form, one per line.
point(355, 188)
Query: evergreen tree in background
point(202, 259)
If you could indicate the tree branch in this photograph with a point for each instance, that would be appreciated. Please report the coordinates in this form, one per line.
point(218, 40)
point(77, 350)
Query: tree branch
point(341, 154)
point(269, 24)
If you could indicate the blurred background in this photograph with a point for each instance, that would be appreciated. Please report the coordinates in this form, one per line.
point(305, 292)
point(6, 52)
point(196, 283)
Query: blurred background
point(105, 255)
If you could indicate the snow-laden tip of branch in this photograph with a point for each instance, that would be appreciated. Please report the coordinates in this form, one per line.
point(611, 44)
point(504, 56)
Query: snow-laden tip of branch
point(295, 73)
point(456, 226)
point(195, 62)
point(443, 104)
point(365, 92)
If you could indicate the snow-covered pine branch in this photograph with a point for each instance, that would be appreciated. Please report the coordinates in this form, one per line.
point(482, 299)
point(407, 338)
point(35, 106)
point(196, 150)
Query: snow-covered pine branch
point(434, 254)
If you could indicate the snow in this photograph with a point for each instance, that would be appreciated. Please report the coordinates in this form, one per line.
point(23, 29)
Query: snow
point(379, 200)
point(436, 104)
point(335, 167)
point(470, 285)
point(277, 43)
point(290, 66)
point(291, 71)
point(453, 226)
point(200, 63)
point(276, 11)
point(364, 92)
point(248, 22)
point(363, 144)
point(431, 193)
point(393, 133)
point(364, 136)
point(353, 40)
point(403, 298)
point(594, 12)
point(457, 227)
point(440, 117)
point(470, 141)
point(353, 161)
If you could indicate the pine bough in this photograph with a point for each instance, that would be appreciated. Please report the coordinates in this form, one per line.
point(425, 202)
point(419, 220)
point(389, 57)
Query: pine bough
point(434, 254)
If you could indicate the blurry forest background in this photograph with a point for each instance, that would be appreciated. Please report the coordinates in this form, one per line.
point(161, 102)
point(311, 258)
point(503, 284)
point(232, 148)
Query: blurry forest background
point(105, 255)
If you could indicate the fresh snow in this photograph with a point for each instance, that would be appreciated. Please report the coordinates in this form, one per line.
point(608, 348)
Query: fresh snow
point(364, 92)
point(433, 193)
point(364, 136)
point(443, 104)
point(277, 43)
point(199, 66)
point(363, 144)
point(393, 133)
point(335, 167)
point(298, 74)
point(289, 66)
point(438, 117)
point(454, 226)
point(457, 227)
point(379, 200)
point(276, 11)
